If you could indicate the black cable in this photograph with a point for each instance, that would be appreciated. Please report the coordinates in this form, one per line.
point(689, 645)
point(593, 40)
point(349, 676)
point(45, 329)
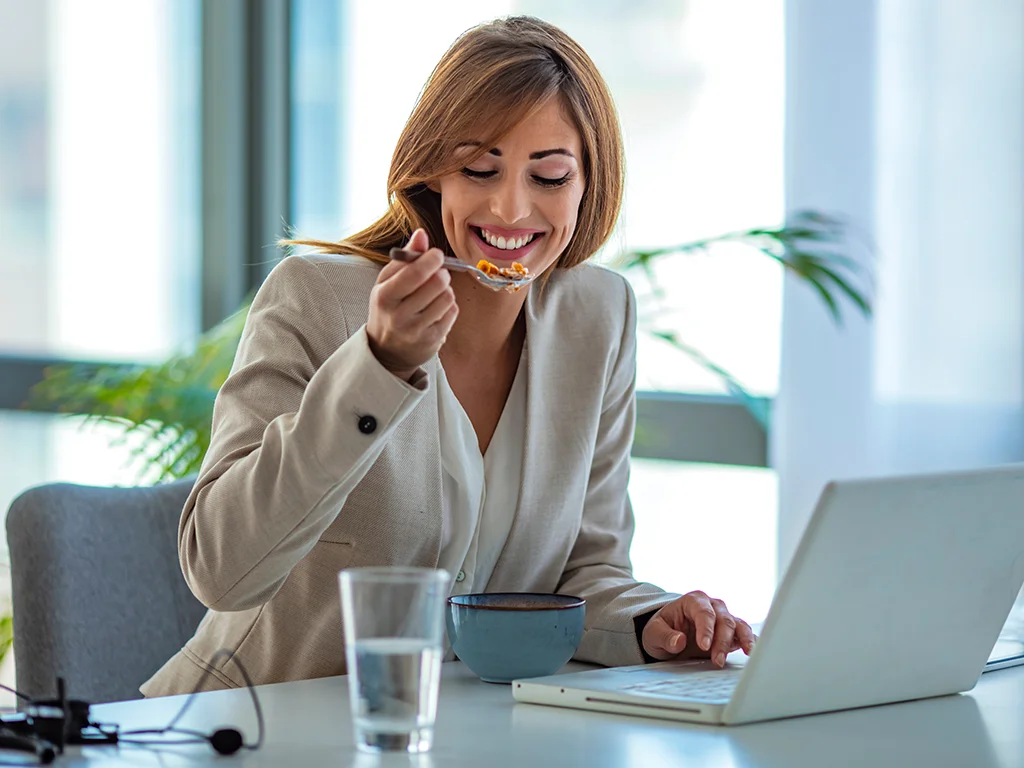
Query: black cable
point(198, 736)
point(163, 742)
point(44, 751)
point(20, 695)
point(224, 740)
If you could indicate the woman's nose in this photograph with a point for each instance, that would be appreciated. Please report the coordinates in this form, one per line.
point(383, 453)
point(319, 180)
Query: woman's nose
point(510, 201)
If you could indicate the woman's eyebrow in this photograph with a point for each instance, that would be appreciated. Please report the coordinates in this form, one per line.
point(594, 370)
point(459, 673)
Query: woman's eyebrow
point(540, 155)
point(546, 152)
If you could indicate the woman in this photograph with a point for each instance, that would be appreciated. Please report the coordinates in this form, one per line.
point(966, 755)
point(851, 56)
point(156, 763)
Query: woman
point(397, 413)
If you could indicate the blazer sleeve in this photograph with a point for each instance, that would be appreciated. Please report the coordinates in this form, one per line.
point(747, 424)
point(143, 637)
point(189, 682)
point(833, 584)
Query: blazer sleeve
point(599, 567)
point(291, 437)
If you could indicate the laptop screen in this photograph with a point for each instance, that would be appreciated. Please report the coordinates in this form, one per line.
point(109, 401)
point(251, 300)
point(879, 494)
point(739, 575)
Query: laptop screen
point(1009, 648)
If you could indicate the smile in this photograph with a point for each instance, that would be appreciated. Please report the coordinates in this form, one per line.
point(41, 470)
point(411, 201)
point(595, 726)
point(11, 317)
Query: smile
point(503, 243)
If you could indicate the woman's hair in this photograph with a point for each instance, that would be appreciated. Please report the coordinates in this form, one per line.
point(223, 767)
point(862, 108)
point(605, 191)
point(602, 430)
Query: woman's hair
point(491, 78)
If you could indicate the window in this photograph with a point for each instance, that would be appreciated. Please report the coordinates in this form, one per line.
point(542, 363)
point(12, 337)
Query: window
point(99, 214)
point(98, 195)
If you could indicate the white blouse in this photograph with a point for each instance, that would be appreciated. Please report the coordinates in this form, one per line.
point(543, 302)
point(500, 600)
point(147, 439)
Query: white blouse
point(480, 492)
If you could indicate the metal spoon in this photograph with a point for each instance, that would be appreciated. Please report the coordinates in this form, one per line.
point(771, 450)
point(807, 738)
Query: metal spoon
point(496, 282)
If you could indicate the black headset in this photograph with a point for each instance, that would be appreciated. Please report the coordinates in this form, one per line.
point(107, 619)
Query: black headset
point(48, 725)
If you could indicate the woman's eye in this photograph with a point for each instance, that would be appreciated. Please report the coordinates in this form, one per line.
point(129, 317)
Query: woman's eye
point(544, 181)
point(478, 174)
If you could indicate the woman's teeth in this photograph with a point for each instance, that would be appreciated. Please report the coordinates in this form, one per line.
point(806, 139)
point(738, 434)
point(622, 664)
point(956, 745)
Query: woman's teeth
point(506, 244)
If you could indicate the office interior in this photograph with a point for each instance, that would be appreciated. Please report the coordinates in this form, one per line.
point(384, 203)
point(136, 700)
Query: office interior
point(152, 152)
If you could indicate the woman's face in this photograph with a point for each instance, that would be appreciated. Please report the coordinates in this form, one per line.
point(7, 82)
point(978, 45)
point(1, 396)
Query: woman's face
point(519, 201)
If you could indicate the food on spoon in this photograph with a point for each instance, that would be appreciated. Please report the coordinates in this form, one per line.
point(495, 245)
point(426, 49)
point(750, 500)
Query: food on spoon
point(516, 272)
point(487, 268)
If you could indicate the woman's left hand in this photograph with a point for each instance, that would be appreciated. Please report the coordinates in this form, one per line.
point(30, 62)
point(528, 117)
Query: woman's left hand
point(696, 627)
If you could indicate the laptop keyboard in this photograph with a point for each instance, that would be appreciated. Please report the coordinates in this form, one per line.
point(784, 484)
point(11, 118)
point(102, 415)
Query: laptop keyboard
point(714, 687)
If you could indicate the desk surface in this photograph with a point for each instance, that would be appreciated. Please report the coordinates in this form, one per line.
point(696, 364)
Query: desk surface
point(480, 724)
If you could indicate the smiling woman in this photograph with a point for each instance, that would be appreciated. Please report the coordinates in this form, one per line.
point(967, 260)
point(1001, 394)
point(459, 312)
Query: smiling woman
point(519, 200)
point(517, 120)
point(393, 412)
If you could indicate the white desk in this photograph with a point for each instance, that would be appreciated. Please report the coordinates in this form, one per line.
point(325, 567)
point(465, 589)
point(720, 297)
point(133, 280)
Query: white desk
point(480, 725)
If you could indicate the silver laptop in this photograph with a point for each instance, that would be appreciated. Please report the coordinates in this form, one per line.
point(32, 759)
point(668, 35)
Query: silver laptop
point(897, 591)
point(1009, 648)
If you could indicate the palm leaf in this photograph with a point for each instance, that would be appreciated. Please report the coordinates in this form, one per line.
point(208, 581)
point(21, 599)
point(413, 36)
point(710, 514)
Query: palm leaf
point(167, 406)
point(758, 407)
point(811, 245)
point(6, 634)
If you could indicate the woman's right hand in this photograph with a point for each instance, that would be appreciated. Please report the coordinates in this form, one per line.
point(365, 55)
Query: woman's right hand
point(412, 309)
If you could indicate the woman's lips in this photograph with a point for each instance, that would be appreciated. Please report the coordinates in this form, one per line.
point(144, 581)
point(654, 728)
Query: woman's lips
point(500, 254)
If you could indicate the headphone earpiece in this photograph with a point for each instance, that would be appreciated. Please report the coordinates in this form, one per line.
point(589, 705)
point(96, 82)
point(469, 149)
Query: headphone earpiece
point(226, 741)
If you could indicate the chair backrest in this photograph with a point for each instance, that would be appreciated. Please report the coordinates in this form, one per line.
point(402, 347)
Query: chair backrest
point(98, 595)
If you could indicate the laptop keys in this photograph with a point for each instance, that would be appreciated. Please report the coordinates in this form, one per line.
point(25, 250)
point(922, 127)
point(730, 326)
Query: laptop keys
point(706, 687)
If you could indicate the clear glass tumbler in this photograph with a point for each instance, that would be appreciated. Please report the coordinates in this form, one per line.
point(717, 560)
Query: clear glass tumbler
point(394, 634)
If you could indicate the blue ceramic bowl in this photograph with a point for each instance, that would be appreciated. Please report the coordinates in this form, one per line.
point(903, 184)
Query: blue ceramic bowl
point(506, 636)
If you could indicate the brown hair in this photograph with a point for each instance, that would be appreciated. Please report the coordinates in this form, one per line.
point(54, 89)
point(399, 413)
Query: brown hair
point(493, 76)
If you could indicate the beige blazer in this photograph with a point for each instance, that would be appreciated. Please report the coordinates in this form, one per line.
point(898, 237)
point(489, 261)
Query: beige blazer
point(292, 489)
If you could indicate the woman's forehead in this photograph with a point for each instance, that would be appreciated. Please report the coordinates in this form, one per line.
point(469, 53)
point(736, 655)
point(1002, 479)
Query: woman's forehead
point(545, 131)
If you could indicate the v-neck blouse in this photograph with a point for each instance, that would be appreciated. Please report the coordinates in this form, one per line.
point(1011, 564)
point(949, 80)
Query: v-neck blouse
point(480, 493)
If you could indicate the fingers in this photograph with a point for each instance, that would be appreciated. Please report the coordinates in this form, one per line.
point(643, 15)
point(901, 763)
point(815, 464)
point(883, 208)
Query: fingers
point(405, 278)
point(444, 325)
point(701, 626)
point(412, 309)
point(725, 633)
point(439, 306)
point(745, 637)
point(416, 302)
point(418, 242)
point(662, 640)
point(699, 611)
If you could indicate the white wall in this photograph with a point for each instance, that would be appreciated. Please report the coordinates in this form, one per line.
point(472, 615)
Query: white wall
point(907, 116)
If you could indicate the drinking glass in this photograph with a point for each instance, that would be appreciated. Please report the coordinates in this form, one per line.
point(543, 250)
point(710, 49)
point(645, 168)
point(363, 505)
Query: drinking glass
point(394, 633)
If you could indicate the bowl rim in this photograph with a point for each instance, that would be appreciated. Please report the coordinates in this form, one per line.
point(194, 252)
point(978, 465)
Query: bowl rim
point(576, 601)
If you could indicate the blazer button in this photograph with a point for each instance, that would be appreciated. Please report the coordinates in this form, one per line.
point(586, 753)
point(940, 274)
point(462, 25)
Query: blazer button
point(460, 576)
point(367, 425)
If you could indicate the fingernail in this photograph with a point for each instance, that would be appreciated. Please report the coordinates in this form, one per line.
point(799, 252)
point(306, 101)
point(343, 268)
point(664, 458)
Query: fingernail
point(706, 642)
point(677, 639)
point(720, 659)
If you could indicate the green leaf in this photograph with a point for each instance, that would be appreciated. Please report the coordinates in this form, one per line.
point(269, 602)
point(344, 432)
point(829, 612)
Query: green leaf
point(757, 406)
point(168, 405)
point(6, 635)
point(828, 299)
point(811, 245)
point(862, 301)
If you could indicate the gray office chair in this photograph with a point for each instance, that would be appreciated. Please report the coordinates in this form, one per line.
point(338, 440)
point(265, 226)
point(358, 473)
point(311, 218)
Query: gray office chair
point(98, 593)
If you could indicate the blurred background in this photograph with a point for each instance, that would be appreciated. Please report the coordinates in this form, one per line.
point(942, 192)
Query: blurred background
point(152, 151)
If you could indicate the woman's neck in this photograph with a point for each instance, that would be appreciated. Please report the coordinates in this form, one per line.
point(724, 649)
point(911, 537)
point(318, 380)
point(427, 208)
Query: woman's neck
point(488, 324)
